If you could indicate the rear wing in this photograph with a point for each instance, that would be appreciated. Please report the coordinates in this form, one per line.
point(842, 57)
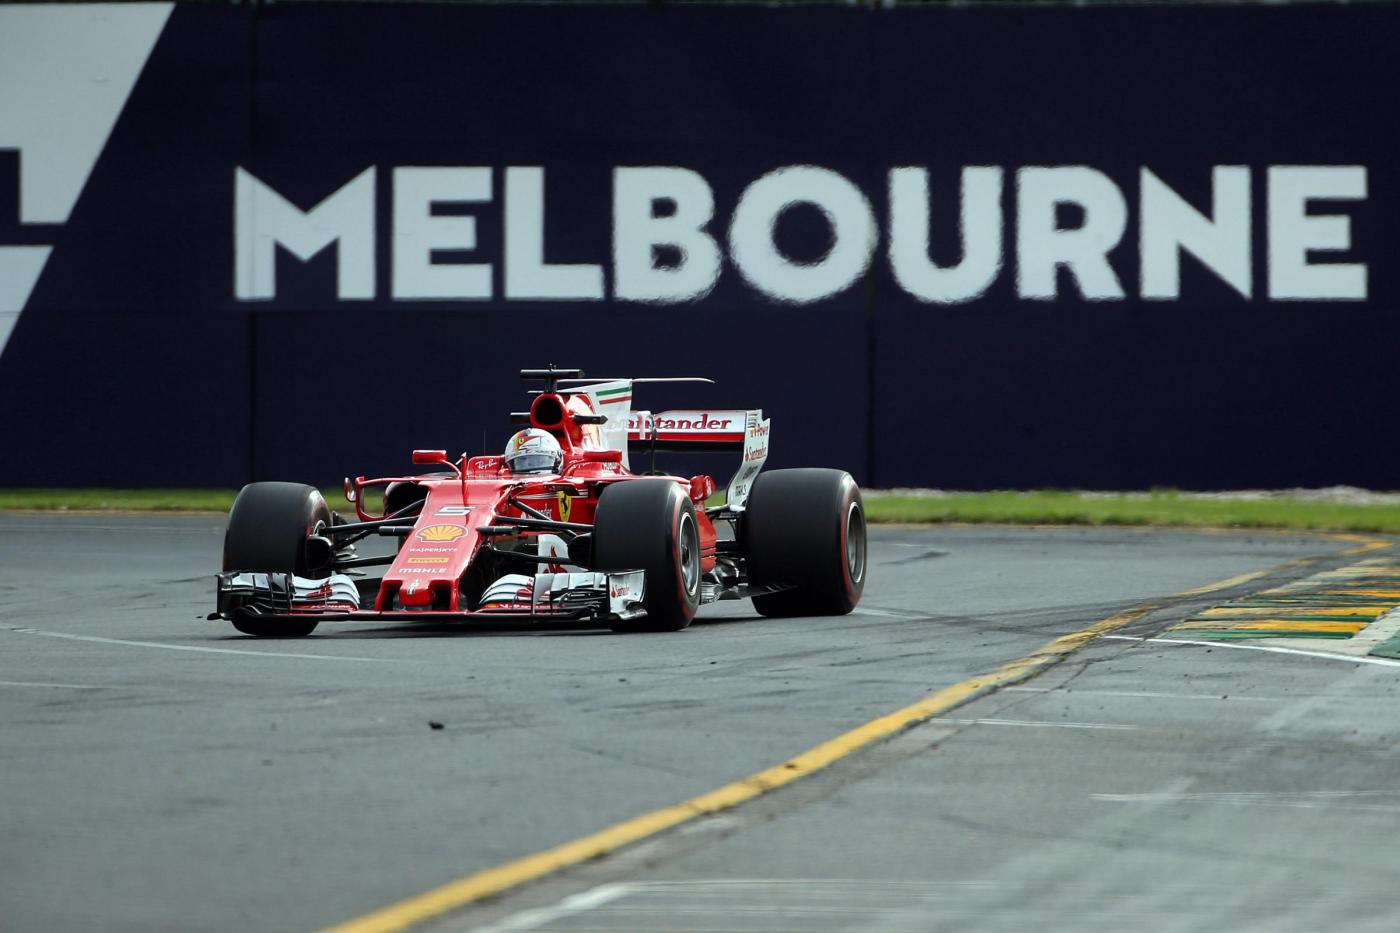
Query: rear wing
point(697, 431)
point(709, 430)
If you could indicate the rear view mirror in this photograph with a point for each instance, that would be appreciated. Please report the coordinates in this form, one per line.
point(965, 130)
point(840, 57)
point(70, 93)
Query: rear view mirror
point(422, 457)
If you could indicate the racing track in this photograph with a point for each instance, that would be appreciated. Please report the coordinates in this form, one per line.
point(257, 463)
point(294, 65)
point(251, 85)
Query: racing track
point(158, 772)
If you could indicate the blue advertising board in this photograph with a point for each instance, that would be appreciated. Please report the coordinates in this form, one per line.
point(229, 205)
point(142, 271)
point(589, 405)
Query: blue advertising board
point(964, 247)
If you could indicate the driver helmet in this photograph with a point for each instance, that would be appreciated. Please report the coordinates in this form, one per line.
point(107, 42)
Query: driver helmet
point(533, 451)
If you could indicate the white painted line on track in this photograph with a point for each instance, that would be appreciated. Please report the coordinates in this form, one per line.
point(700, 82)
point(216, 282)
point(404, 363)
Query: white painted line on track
point(576, 904)
point(155, 644)
point(723, 886)
point(1144, 694)
point(883, 614)
point(1304, 800)
point(720, 901)
point(28, 683)
point(1250, 795)
point(1036, 723)
point(1350, 659)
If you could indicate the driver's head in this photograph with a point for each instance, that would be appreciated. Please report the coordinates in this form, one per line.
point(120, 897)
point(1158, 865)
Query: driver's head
point(533, 451)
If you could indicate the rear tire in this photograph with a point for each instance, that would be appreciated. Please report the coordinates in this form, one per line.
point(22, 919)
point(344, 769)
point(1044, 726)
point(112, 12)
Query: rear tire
point(806, 529)
point(649, 524)
point(267, 531)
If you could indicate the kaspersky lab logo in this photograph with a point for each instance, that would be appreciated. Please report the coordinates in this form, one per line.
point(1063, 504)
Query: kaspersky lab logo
point(65, 75)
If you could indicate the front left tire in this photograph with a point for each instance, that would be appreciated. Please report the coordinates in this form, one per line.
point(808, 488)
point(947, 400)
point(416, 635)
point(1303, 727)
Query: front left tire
point(649, 524)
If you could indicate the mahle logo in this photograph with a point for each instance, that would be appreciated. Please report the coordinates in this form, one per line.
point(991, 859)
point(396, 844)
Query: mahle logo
point(670, 210)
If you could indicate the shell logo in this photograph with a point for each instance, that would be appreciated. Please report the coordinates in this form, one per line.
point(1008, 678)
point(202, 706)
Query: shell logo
point(441, 533)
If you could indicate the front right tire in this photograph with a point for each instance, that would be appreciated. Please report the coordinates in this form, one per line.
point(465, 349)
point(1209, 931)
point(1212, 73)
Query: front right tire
point(267, 531)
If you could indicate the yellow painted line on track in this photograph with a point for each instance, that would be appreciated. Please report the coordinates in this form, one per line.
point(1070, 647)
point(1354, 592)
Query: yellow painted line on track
point(1365, 544)
point(492, 881)
point(1229, 582)
point(483, 884)
point(1364, 594)
point(1367, 569)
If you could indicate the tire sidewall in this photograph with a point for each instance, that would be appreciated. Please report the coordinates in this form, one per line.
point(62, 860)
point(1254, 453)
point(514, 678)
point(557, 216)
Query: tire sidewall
point(640, 525)
point(683, 517)
point(853, 520)
point(796, 531)
point(268, 527)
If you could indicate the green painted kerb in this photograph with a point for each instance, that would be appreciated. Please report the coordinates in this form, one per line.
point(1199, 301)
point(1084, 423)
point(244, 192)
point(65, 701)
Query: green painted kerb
point(1241, 635)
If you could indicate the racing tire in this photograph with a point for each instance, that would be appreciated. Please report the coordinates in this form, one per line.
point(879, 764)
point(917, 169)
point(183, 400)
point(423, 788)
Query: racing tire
point(649, 525)
point(267, 531)
point(805, 529)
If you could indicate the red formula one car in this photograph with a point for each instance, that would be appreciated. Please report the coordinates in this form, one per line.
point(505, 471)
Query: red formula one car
point(558, 529)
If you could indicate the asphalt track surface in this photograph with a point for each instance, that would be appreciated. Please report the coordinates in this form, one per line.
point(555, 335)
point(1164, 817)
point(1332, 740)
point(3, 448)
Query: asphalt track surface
point(160, 772)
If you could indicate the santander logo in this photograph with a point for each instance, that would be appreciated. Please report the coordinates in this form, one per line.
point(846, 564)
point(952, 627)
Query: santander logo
point(697, 422)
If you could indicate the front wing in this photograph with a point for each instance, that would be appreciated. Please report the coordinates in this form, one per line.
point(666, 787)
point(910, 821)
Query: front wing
point(545, 597)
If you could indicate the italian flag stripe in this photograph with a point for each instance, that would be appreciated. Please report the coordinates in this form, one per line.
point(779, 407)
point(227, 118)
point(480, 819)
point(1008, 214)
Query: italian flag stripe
point(614, 401)
point(623, 390)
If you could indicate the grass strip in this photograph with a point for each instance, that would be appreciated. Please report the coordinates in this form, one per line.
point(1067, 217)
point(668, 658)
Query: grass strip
point(135, 500)
point(1055, 507)
point(1044, 507)
point(119, 500)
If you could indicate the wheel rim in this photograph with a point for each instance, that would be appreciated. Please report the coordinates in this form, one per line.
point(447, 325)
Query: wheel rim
point(689, 546)
point(855, 543)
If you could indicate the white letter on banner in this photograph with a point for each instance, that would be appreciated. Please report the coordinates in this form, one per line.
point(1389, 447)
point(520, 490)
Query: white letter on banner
point(417, 233)
point(980, 220)
point(1168, 226)
point(751, 233)
point(637, 231)
point(263, 220)
point(528, 276)
point(1293, 233)
point(1041, 247)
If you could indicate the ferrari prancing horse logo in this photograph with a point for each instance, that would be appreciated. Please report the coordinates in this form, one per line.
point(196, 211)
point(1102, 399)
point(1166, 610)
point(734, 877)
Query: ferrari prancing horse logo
point(566, 504)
